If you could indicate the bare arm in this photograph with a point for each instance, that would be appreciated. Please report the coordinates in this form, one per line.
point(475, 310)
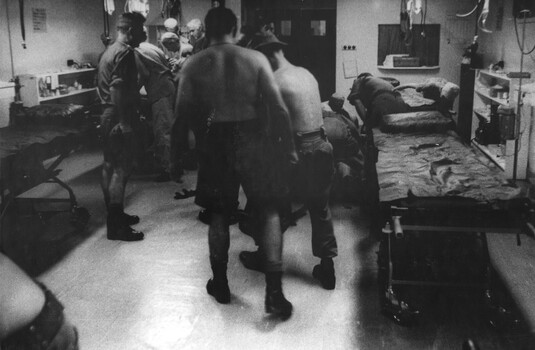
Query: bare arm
point(21, 300)
point(184, 111)
point(361, 110)
point(406, 86)
point(119, 98)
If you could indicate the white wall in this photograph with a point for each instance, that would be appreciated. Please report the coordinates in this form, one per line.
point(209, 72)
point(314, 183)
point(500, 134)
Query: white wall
point(502, 45)
point(357, 24)
point(73, 30)
point(190, 9)
point(198, 9)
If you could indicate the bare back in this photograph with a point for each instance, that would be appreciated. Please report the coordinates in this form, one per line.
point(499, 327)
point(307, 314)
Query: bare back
point(300, 92)
point(228, 80)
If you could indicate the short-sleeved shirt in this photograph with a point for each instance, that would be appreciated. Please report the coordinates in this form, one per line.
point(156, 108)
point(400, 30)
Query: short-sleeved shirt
point(154, 71)
point(345, 139)
point(117, 67)
point(367, 87)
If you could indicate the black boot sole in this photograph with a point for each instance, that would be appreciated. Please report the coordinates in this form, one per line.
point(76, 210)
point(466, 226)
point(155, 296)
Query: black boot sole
point(222, 297)
point(125, 234)
point(326, 282)
point(283, 313)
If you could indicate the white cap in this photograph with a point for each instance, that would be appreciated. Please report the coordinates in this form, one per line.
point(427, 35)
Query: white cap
point(171, 24)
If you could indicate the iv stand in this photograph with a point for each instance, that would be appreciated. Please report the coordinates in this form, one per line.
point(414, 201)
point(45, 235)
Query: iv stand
point(519, 102)
point(10, 42)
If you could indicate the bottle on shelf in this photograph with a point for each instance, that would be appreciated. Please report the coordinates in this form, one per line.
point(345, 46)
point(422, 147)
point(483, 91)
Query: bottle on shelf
point(508, 124)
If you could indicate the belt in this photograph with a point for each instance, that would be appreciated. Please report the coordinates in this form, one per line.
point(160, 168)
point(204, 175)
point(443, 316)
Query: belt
point(39, 333)
point(309, 134)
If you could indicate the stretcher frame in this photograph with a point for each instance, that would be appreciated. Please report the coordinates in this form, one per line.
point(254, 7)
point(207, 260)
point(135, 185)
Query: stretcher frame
point(57, 152)
point(388, 224)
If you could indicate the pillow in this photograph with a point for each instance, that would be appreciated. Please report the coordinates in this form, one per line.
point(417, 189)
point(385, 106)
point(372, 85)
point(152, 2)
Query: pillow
point(415, 99)
point(423, 121)
point(432, 88)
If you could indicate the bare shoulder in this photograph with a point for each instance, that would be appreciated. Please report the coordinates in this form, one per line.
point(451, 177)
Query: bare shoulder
point(198, 57)
point(196, 63)
point(305, 74)
point(211, 55)
point(254, 56)
point(293, 76)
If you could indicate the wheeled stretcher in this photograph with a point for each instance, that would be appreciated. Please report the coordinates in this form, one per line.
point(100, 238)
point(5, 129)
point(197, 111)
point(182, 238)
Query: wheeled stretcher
point(434, 199)
point(30, 153)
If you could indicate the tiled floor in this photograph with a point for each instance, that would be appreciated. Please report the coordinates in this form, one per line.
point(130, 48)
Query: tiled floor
point(151, 294)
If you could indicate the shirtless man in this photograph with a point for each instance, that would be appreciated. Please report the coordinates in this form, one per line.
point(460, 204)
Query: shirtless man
point(313, 175)
point(219, 96)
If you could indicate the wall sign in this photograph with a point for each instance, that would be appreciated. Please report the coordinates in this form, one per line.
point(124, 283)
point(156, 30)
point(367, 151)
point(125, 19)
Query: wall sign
point(39, 20)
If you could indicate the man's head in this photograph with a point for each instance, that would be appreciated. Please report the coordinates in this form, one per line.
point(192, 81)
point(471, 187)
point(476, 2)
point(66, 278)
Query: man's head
point(216, 3)
point(336, 102)
point(272, 48)
point(171, 25)
point(130, 28)
point(195, 28)
point(220, 21)
point(264, 26)
point(267, 29)
point(170, 41)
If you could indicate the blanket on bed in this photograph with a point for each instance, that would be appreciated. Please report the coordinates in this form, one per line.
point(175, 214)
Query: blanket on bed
point(424, 121)
point(436, 165)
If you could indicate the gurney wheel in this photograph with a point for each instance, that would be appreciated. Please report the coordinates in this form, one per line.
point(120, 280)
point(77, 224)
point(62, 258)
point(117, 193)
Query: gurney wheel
point(398, 310)
point(79, 217)
point(500, 317)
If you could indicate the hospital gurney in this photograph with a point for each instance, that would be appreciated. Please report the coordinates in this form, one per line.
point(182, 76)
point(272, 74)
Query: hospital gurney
point(31, 149)
point(432, 199)
point(433, 196)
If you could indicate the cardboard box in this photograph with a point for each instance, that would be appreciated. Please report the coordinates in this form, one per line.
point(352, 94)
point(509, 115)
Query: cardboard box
point(406, 61)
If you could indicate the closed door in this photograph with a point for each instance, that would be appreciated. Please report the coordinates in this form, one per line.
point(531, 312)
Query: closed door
point(311, 38)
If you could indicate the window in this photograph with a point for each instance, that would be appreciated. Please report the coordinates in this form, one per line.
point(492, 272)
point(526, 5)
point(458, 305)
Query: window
point(424, 43)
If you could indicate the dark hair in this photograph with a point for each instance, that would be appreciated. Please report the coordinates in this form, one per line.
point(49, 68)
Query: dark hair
point(128, 20)
point(220, 21)
point(221, 3)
